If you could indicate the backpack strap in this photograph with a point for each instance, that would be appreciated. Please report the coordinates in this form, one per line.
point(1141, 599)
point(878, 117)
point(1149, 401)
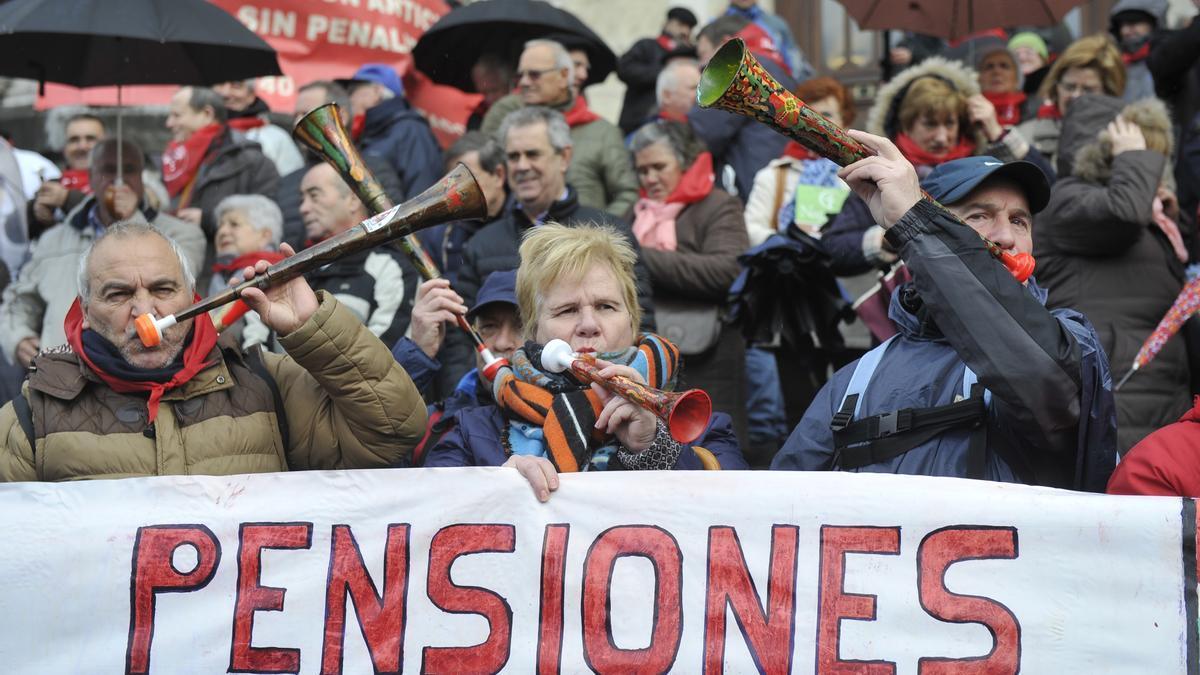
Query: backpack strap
point(860, 442)
point(864, 369)
point(254, 359)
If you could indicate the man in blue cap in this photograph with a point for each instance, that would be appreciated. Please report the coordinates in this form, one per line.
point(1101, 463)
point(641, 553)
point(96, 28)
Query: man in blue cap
point(494, 317)
point(982, 381)
point(384, 124)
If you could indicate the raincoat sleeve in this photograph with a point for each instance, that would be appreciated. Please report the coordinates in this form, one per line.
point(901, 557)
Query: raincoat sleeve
point(1047, 374)
point(810, 445)
point(416, 363)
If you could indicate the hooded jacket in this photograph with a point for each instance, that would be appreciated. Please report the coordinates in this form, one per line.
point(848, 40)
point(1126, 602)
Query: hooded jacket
point(396, 132)
point(1051, 420)
point(1099, 253)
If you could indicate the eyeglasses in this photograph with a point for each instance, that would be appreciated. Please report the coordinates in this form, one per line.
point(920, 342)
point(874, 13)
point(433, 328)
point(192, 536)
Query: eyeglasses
point(533, 75)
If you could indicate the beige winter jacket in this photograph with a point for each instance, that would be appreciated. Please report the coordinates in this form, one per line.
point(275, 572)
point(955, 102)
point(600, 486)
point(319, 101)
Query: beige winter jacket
point(348, 404)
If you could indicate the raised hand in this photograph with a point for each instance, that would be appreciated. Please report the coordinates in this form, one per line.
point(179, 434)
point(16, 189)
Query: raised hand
point(285, 307)
point(885, 181)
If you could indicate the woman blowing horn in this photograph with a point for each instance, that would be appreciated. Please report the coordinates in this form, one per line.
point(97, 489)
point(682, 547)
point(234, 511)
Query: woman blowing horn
point(577, 285)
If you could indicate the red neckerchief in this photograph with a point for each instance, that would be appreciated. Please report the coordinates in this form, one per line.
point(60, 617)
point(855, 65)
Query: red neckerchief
point(1141, 54)
point(77, 179)
point(181, 161)
point(245, 124)
point(797, 151)
point(204, 338)
point(695, 184)
point(579, 114)
point(761, 45)
point(246, 260)
point(357, 124)
point(667, 42)
point(1008, 106)
point(672, 117)
point(918, 157)
point(1049, 111)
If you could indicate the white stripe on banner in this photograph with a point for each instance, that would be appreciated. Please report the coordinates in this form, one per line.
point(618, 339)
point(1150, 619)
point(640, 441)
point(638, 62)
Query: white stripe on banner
point(462, 570)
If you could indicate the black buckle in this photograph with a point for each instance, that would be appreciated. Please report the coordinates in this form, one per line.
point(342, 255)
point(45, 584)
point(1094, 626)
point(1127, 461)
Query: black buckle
point(841, 420)
point(891, 423)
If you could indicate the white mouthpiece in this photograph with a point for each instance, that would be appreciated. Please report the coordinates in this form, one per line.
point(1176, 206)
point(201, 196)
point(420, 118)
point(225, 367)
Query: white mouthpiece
point(557, 356)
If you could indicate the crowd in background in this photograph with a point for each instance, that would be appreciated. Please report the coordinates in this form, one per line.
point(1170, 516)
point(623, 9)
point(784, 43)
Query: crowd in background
point(685, 247)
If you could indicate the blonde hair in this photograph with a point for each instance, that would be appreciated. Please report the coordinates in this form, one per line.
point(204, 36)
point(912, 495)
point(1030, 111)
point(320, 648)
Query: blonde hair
point(1097, 52)
point(553, 253)
point(932, 96)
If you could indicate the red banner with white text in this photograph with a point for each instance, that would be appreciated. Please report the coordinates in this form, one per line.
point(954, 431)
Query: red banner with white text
point(318, 40)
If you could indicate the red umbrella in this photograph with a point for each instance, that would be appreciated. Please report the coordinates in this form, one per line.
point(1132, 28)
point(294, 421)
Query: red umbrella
point(1181, 310)
point(954, 19)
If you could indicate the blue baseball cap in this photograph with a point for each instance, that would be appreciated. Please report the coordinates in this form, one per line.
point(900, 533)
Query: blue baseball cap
point(379, 73)
point(498, 287)
point(952, 181)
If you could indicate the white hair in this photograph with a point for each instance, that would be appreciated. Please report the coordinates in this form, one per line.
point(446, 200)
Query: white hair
point(556, 125)
point(668, 77)
point(125, 229)
point(562, 57)
point(263, 213)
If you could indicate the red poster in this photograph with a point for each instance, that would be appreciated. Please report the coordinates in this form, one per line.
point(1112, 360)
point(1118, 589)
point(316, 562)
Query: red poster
point(317, 40)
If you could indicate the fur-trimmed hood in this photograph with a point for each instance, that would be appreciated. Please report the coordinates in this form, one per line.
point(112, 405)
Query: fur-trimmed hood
point(884, 115)
point(1084, 129)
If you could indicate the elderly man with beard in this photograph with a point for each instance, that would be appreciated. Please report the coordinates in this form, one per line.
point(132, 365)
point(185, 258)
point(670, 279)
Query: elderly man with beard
point(106, 406)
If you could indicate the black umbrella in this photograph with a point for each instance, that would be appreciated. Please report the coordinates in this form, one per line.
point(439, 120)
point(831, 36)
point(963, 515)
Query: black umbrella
point(91, 43)
point(94, 43)
point(448, 50)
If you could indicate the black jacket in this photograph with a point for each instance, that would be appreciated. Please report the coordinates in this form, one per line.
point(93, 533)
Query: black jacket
point(638, 68)
point(378, 285)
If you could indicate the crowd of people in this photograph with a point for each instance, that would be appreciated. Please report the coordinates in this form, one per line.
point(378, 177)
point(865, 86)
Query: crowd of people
point(633, 243)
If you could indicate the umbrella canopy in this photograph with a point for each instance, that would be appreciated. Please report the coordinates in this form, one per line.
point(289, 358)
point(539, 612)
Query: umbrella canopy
point(954, 19)
point(88, 43)
point(448, 50)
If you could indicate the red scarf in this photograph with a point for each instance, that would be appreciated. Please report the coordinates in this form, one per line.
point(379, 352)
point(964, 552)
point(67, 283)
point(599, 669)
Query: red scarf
point(357, 124)
point(244, 124)
point(1008, 106)
point(579, 114)
point(1049, 111)
point(246, 260)
point(672, 117)
point(77, 179)
point(204, 338)
point(654, 222)
point(919, 157)
point(797, 151)
point(695, 183)
point(181, 161)
point(1141, 54)
point(667, 42)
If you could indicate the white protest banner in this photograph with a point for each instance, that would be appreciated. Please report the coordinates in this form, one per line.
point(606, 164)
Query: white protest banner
point(462, 570)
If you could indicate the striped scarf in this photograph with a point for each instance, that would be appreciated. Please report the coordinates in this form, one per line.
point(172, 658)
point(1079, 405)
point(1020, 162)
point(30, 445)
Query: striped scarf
point(564, 410)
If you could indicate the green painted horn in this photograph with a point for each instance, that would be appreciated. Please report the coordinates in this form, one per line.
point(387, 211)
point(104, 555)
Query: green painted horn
point(736, 82)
